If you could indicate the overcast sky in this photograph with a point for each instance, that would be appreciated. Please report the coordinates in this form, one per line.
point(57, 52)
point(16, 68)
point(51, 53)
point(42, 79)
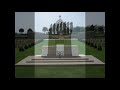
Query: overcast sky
point(38, 20)
point(24, 20)
point(44, 19)
point(95, 18)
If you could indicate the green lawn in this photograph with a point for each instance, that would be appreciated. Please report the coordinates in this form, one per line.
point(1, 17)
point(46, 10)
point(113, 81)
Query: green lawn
point(60, 71)
point(21, 55)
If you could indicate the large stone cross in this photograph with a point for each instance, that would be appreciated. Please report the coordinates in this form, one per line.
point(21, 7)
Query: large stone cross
point(59, 16)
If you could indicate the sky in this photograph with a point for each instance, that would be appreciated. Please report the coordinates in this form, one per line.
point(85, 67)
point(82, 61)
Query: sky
point(44, 19)
point(24, 20)
point(95, 18)
point(37, 20)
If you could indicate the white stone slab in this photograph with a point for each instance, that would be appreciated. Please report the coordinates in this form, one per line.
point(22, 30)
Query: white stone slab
point(75, 50)
point(60, 49)
point(44, 50)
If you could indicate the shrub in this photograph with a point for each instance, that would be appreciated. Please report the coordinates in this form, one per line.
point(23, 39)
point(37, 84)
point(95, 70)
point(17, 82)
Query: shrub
point(103, 43)
point(94, 43)
point(86, 42)
point(32, 44)
point(21, 48)
point(29, 45)
point(25, 47)
point(91, 43)
point(95, 46)
point(99, 46)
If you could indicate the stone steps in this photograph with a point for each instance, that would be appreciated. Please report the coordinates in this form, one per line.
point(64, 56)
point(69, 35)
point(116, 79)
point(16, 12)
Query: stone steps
point(57, 61)
point(83, 60)
point(73, 59)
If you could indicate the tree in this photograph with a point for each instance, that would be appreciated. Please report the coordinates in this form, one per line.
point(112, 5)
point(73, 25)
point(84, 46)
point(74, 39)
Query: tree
point(26, 47)
point(30, 33)
point(61, 26)
point(45, 29)
point(87, 28)
point(57, 29)
point(64, 28)
point(50, 31)
point(21, 30)
point(54, 28)
point(21, 48)
point(71, 27)
point(99, 47)
point(95, 28)
point(104, 29)
point(30, 30)
point(67, 30)
point(92, 28)
point(70, 31)
point(101, 29)
point(51, 28)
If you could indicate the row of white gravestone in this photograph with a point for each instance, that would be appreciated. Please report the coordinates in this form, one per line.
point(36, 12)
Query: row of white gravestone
point(60, 50)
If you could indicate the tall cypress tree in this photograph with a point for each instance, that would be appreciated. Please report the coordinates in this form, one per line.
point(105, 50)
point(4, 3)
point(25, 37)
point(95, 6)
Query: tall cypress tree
point(57, 28)
point(60, 26)
point(70, 31)
point(50, 32)
point(92, 28)
point(51, 29)
point(54, 28)
point(65, 29)
point(71, 27)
